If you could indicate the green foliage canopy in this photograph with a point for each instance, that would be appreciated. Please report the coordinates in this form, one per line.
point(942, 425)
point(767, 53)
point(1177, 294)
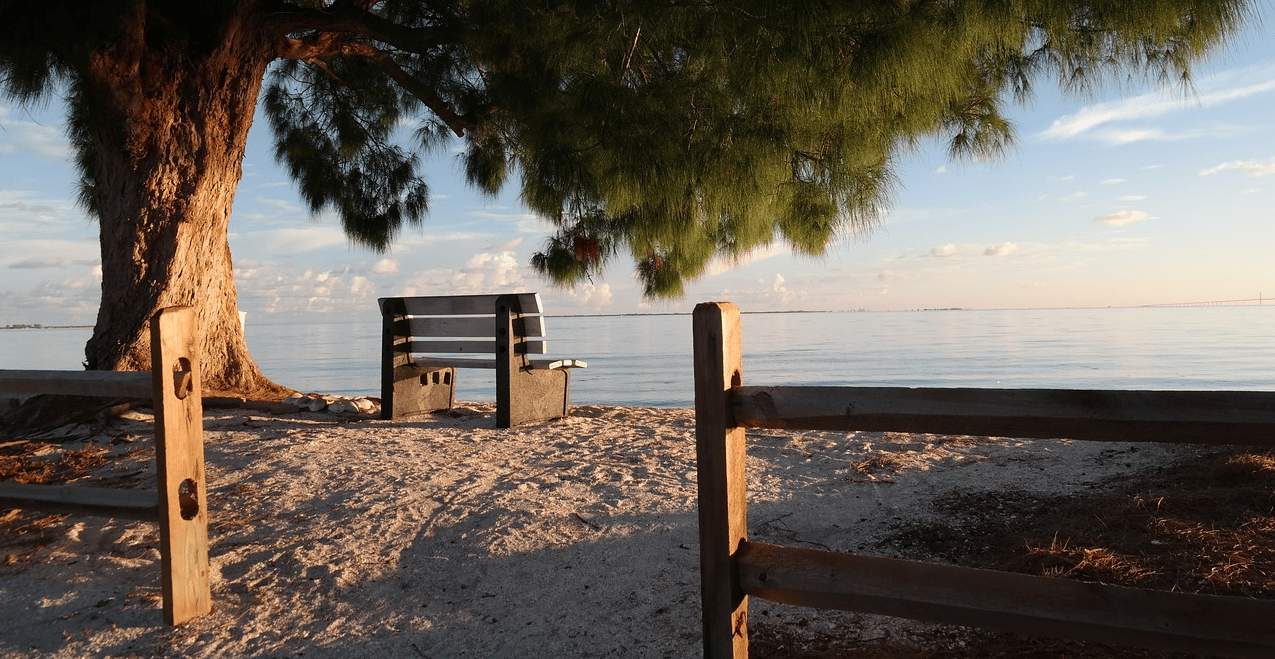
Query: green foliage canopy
point(669, 131)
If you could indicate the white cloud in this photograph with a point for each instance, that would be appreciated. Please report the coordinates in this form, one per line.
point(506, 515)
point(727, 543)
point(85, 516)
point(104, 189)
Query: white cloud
point(278, 205)
point(294, 240)
point(487, 273)
point(1131, 136)
point(1079, 194)
point(890, 276)
point(1250, 167)
point(941, 170)
point(35, 212)
point(28, 137)
point(385, 267)
point(1003, 249)
point(1112, 181)
point(591, 294)
point(1088, 118)
point(503, 217)
point(429, 241)
point(508, 245)
point(770, 293)
point(944, 250)
point(1145, 106)
point(513, 221)
point(37, 264)
point(1123, 218)
point(272, 290)
point(722, 264)
point(1132, 197)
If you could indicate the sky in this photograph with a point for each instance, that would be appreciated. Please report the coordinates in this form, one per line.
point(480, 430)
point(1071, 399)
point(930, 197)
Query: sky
point(1130, 196)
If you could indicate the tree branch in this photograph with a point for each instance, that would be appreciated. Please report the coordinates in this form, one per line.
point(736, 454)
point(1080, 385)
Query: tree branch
point(314, 48)
point(340, 30)
point(353, 18)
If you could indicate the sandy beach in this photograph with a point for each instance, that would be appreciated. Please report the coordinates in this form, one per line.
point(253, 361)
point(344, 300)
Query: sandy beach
point(348, 536)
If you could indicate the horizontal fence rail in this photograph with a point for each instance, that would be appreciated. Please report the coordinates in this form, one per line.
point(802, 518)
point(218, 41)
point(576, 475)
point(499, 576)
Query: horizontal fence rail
point(949, 594)
point(1200, 417)
point(82, 500)
point(732, 568)
point(178, 502)
point(134, 384)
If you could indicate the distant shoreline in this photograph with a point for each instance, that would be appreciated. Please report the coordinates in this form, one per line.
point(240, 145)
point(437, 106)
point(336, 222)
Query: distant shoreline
point(1260, 301)
point(44, 327)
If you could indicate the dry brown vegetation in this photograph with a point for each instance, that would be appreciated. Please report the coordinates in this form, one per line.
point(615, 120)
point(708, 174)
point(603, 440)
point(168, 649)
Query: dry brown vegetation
point(45, 462)
point(1207, 526)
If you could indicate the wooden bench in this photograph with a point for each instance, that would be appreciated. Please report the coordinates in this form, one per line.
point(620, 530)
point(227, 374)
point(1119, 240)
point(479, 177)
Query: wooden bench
point(179, 502)
point(734, 569)
point(425, 339)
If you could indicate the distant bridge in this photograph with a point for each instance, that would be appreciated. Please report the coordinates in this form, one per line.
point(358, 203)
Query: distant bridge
point(1252, 301)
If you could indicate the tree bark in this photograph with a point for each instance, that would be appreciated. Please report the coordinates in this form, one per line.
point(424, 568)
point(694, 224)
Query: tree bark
point(169, 106)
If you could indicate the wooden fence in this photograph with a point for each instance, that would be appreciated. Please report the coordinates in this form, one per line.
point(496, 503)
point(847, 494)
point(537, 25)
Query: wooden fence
point(733, 569)
point(179, 503)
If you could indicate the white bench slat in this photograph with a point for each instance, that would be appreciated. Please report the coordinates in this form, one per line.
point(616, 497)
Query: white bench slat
point(461, 362)
point(558, 363)
point(468, 347)
point(461, 305)
point(464, 326)
point(125, 384)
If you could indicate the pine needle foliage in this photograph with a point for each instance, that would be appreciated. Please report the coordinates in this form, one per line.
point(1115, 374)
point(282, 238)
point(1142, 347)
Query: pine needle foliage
point(689, 131)
point(667, 132)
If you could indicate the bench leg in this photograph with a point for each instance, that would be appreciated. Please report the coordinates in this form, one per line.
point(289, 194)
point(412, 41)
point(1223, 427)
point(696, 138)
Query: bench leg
point(524, 394)
point(528, 395)
point(418, 390)
point(407, 389)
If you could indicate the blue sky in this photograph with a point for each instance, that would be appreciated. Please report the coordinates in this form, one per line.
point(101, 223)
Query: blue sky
point(1129, 196)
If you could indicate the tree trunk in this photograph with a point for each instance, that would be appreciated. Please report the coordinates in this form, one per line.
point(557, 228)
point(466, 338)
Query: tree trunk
point(169, 106)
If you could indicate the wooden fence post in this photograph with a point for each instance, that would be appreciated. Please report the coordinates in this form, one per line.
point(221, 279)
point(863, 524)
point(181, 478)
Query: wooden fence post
point(179, 445)
point(719, 450)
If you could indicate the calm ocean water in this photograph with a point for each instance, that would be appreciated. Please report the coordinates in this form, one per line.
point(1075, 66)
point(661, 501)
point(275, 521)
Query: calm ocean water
point(646, 360)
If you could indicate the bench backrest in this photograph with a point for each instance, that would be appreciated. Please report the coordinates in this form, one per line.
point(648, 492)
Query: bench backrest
point(460, 324)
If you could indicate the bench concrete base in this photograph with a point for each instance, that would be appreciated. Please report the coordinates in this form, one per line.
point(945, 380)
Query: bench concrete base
point(420, 390)
point(531, 395)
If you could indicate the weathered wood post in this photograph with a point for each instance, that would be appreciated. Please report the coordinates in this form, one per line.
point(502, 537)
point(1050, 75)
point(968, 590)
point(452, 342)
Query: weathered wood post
point(719, 451)
point(179, 445)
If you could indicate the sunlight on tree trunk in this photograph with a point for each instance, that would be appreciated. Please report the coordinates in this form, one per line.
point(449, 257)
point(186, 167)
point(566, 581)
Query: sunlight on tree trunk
point(169, 134)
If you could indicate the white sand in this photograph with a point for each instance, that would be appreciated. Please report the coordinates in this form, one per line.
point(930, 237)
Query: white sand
point(446, 537)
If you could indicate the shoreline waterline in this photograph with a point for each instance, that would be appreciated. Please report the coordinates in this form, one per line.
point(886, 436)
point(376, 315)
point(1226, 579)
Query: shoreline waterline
point(645, 359)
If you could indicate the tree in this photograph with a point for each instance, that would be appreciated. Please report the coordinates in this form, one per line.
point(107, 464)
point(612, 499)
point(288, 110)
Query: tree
point(672, 131)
